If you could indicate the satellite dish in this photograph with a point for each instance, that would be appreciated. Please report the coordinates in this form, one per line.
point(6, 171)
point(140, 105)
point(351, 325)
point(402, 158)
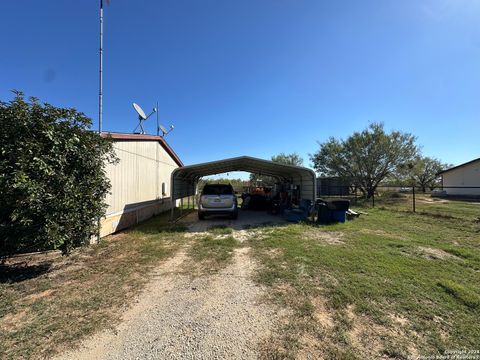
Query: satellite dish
point(140, 112)
point(141, 118)
point(164, 130)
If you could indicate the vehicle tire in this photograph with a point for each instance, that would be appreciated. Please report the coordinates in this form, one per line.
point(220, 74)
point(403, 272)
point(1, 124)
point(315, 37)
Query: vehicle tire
point(201, 216)
point(235, 215)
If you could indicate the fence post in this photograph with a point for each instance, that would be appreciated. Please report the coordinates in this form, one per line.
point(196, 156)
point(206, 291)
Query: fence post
point(373, 199)
point(413, 197)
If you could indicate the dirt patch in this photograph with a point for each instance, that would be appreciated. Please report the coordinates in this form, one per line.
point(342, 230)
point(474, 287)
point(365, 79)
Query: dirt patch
point(325, 237)
point(10, 322)
point(242, 235)
point(369, 338)
point(275, 253)
point(309, 348)
point(436, 254)
point(39, 295)
point(398, 319)
point(429, 200)
point(321, 314)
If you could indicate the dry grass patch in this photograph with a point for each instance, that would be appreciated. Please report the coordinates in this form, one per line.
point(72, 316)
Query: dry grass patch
point(432, 253)
point(324, 237)
point(48, 303)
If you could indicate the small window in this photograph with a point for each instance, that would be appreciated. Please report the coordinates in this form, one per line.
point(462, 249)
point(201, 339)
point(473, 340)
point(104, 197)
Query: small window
point(164, 193)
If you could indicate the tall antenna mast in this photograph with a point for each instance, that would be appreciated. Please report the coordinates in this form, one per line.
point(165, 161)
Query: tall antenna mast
point(158, 124)
point(100, 92)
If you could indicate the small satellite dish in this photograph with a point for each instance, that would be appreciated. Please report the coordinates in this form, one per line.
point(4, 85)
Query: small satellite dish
point(141, 118)
point(164, 130)
point(140, 112)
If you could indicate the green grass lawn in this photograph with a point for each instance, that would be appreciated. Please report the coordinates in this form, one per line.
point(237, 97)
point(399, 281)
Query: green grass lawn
point(391, 283)
point(388, 284)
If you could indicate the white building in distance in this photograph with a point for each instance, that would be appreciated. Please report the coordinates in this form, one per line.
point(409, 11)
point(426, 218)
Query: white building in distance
point(462, 180)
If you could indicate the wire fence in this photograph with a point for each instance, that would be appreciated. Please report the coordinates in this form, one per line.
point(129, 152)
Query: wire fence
point(449, 202)
point(462, 202)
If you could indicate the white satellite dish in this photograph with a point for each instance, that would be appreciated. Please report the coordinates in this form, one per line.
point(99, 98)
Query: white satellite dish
point(141, 118)
point(140, 112)
point(164, 130)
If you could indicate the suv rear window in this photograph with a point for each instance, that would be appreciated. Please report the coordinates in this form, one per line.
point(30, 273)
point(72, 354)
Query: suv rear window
point(217, 190)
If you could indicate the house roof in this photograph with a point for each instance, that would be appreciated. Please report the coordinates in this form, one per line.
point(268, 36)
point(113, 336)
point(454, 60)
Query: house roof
point(144, 137)
point(459, 166)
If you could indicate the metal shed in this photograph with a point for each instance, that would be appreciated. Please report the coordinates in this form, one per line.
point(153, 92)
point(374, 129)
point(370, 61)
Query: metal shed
point(185, 178)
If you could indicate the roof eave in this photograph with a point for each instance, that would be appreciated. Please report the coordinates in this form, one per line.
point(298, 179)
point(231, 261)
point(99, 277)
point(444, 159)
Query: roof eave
point(144, 137)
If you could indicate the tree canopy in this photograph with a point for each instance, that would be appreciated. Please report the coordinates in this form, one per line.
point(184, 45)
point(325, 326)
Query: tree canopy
point(282, 158)
point(52, 177)
point(423, 172)
point(365, 158)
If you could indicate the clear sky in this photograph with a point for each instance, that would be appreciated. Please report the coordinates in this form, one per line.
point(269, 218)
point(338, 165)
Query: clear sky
point(257, 77)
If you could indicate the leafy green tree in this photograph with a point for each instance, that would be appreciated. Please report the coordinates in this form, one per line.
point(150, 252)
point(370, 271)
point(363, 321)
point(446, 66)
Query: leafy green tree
point(52, 177)
point(282, 158)
point(237, 184)
point(365, 158)
point(288, 159)
point(424, 172)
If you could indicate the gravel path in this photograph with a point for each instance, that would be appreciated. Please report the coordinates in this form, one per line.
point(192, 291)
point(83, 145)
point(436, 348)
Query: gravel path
point(246, 219)
point(179, 317)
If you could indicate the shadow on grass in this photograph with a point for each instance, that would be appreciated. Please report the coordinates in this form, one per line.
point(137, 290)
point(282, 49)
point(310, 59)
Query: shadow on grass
point(14, 273)
point(158, 224)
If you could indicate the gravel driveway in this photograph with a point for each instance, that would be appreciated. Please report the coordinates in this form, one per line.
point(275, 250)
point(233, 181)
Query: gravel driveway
point(215, 316)
point(246, 219)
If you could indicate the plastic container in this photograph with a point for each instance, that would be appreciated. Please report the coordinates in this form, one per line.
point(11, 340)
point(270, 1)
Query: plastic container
point(338, 215)
point(324, 215)
point(339, 205)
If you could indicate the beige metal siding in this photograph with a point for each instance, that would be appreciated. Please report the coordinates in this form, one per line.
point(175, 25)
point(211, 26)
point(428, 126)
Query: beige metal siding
point(468, 175)
point(138, 176)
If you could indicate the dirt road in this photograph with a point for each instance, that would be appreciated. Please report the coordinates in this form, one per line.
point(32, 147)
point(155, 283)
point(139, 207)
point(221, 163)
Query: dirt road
point(214, 316)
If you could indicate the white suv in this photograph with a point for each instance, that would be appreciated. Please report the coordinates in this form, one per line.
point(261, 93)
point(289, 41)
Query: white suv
point(217, 199)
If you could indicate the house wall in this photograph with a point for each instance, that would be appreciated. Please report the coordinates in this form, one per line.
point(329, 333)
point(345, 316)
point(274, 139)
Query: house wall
point(136, 184)
point(468, 175)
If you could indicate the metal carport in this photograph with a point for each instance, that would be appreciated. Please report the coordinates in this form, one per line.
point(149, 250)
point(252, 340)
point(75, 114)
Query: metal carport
point(185, 178)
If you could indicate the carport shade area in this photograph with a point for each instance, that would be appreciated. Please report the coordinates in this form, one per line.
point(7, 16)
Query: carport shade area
point(185, 178)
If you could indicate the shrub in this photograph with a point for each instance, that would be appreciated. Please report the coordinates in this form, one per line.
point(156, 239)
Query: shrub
point(52, 177)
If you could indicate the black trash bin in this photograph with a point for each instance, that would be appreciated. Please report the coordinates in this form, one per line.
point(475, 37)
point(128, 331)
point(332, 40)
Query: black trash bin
point(338, 205)
point(324, 215)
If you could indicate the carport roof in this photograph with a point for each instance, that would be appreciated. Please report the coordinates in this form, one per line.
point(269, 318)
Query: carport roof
point(241, 163)
point(183, 178)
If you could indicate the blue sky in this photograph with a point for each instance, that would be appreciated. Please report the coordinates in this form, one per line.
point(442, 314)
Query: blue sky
point(257, 77)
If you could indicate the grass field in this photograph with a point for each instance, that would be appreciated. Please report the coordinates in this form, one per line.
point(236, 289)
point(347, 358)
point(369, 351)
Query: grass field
point(392, 283)
point(388, 284)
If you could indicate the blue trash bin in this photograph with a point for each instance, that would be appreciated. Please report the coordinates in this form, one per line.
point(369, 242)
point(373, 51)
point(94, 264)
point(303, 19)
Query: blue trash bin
point(339, 216)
